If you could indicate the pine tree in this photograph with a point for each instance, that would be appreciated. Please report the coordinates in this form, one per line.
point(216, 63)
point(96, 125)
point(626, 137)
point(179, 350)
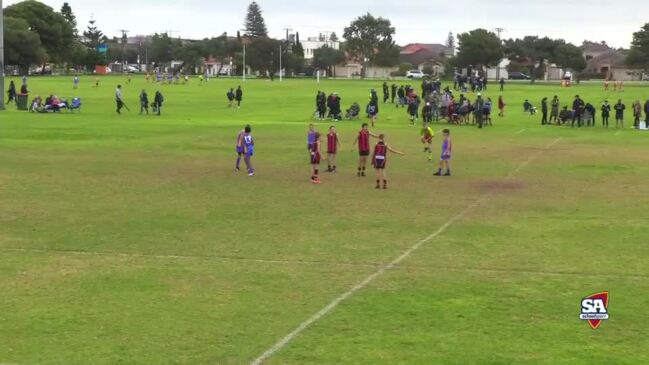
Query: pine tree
point(298, 49)
point(93, 35)
point(67, 13)
point(255, 24)
point(450, 42)
point(333, 37)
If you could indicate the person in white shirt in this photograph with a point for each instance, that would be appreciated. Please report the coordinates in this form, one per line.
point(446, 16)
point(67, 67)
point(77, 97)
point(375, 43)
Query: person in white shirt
point(119, 99)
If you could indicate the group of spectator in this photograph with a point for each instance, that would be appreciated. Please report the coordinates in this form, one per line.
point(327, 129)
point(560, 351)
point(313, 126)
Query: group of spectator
point(583, 113)
point(12, 93)
point(475, 83)
point(332, 103)
point(52, 104)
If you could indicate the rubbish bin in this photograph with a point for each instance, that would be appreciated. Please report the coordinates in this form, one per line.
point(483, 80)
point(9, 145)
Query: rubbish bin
point(21, 101)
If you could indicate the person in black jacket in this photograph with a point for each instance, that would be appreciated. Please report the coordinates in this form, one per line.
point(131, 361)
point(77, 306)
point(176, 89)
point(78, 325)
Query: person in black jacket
point(321, 105)
point(591, 110)
point(386, 93)
point(577, 111)
point(646, 111)
point(11, 93)
point(619, 114)
point(157, 102)
point(544, 111)
point(144, 102)
point(394, 92)
point(238, 95)
point(606, 113)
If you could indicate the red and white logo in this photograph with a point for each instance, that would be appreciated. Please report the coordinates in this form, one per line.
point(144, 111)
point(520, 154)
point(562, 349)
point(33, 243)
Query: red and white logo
point(594, 309)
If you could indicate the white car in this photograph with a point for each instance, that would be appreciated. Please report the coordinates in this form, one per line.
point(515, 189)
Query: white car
point(415, 74)
point(131, 69)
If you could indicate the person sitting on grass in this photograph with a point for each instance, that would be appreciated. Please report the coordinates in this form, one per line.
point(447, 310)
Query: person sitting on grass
point(565, 115)
point(37, 104)
point(529, 108)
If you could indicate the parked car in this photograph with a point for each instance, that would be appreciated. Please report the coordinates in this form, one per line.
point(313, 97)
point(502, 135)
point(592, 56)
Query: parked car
point(518, 76)
point(415, 74)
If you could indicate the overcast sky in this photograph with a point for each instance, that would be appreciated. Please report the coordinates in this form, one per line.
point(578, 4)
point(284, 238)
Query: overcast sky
point(425, 21)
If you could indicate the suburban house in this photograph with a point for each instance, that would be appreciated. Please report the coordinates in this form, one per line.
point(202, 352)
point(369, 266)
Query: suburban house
point(608, 62)
point(314, 43)
point(426, 55)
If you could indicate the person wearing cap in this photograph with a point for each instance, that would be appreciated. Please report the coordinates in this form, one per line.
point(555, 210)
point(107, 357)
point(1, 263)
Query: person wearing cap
point(577, 111)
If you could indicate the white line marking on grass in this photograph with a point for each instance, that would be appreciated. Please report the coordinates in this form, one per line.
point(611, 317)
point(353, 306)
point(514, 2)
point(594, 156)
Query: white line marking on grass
point(191, 257)
point(521, 131)
point(329, 307)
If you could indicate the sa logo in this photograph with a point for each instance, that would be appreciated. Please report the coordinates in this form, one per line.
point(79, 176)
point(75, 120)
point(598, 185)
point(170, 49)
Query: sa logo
point(594, 309)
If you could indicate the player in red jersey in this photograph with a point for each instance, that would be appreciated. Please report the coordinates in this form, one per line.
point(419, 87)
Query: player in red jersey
point(363, 140)
point(333, 142)
point(315, 159)
point(379, 161)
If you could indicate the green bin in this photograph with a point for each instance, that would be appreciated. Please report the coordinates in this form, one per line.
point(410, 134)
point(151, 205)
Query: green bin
point(21, 101)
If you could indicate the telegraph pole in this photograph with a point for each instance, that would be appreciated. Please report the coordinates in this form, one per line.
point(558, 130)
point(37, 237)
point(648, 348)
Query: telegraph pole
point(124, 44)
point(2, 59)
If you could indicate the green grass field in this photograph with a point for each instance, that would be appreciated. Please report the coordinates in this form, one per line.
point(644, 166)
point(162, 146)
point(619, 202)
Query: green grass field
point(130, 240)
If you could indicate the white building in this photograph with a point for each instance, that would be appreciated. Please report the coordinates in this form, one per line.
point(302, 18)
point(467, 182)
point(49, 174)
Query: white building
point(313, 43)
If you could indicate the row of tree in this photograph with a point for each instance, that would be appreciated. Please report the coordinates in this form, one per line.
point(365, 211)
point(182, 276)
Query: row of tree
point(480, 47)
point(36, 34)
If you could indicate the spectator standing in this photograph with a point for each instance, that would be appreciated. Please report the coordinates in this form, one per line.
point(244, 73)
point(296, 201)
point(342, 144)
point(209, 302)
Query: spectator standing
point(619, 114)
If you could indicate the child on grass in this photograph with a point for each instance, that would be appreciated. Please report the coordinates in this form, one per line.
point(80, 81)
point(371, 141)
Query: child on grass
point(447, 148)
point(333, 142)
point(379, 161)
point(315, 159)
point(363, 140)
point(427, 135)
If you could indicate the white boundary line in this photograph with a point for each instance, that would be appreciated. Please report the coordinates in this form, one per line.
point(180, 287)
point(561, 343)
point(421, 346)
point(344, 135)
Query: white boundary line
point(521, 131)
point(334, 303)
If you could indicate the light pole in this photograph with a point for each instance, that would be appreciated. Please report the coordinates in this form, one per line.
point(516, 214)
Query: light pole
point(280, 63)
point(2, 59)
point(244, 55)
